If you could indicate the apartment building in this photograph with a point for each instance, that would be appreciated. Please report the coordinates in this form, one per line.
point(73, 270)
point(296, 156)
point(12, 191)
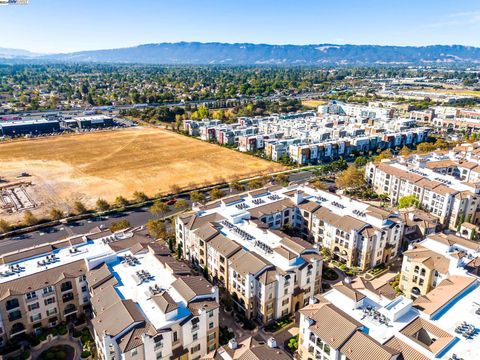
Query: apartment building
point(238, 241)
point(427, 263)
point(144, 303)
point(251, 349)
point(356, 323)
point(356, 233)
point(435, 180)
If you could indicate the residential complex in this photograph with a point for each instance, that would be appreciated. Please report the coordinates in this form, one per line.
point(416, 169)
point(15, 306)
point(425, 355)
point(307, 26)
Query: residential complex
point(429, 263)
point(337, 130)
point(144, 303)
point(353, 321)
point(445, 184)
point(240, 242)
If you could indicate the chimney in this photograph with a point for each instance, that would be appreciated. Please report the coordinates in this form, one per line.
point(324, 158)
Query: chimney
point(232, 344)
point(271, 342)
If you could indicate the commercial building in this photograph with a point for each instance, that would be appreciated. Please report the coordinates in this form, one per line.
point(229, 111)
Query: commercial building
point(89, 122)
point(29, 127)
point(144, 303)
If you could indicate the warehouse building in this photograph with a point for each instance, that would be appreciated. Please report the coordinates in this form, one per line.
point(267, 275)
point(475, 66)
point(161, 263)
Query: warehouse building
point(29, 127)
point(88, 122)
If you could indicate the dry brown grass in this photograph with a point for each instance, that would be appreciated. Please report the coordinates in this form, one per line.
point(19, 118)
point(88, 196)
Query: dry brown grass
point(108, 164)
point(313, 103)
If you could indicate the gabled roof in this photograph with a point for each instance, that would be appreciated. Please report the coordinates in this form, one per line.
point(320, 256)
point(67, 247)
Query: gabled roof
point(117, 318)
point(360, 346)
point(191, 286)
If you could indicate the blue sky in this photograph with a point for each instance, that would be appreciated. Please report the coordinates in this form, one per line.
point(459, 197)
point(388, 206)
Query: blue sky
point(72, 25)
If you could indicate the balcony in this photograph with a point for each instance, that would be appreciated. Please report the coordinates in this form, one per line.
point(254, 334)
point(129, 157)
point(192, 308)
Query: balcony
point(14, 315)
point(67, 297)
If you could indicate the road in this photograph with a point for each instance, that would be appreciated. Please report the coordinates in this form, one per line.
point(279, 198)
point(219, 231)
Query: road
point(135, 217)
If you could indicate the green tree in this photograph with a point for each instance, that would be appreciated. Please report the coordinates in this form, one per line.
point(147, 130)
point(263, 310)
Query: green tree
point(179, 250)
point(408, 201)
point(216, 194)
point(156, 228)
point(4, 226)
point(120, 202)
point(120, 225)
point(352, 177)
point(360, 161)
point(29, 219)
point(159, 208)
point(56, 214)
point(139, 197)
point(196, 196)
point(180, 204)
point(102, 205)
point(79, 208)
point(385, 154)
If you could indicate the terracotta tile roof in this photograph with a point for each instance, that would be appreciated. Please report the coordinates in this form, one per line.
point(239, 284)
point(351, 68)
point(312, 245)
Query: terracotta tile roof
point(271, 208)
point(41, 279)
point(191, 286)
point(431, 259)
point(331, 324)
point(132, 339)
point(360, 346)
point(445, 292)
point(244, 262)
point(165, 302)
point(349, 292)
point(98, 275)
point(117, 318)
point(452, 239)
point(224, 245)
point(423, 329)
point(408, 352)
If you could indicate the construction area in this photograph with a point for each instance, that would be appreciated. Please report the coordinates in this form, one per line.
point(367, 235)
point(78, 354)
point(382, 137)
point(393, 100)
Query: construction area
point(15, 197)
point(89, 166)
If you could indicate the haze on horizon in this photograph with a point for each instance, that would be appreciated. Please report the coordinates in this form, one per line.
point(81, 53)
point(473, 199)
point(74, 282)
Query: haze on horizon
point(53, 26)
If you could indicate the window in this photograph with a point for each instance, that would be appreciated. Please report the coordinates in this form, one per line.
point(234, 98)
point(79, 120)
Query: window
point(195, 348)
point(67, 297)
point(33, 306)
point(211, 325)
point(175, 336)
point(286, 291)
point(211, 336)
point(134, 352)
point(14, 315)
point(211, 348)
point(36, 317)
point(47, 290)
point(51, 312)
point(49, 301)
point(158, 355)
point(285, 302)
point(31, 295)
point(12, 304)
point(67, 285)
point(195, 336)
point(210, 313)
point(84, 289)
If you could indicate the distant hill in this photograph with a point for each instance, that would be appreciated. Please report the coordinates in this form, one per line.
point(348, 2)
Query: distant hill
point(255, 54)
point(12, 53)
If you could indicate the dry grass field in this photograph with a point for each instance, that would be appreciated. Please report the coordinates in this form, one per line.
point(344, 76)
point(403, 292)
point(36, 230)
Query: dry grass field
point(107, 164)
point(450, 91)
point(313, 103)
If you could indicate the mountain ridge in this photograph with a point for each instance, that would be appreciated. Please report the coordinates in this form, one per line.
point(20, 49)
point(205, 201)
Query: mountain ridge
point(210, 53)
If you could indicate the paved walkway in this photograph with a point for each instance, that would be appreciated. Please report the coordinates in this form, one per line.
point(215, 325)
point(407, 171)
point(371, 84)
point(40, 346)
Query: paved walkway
point(228, 321)
point(72, 343)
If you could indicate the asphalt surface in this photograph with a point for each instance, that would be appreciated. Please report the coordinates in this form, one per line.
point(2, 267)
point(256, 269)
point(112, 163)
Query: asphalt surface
point(135, 217)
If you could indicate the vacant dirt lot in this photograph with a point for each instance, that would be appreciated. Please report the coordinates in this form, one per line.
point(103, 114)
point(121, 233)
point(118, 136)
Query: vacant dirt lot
point(107, 164)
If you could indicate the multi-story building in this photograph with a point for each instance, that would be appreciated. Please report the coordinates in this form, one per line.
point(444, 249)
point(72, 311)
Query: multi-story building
point(144, 303)
point(427, 263)
point(436, 182)
point(251, 349)
point(356, 323)
point(240, 243)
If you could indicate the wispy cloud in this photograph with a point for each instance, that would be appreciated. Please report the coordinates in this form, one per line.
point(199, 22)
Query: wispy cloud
point(454, 19)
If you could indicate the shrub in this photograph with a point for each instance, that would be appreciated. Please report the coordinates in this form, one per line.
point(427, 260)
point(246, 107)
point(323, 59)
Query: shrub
point(86, 354)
